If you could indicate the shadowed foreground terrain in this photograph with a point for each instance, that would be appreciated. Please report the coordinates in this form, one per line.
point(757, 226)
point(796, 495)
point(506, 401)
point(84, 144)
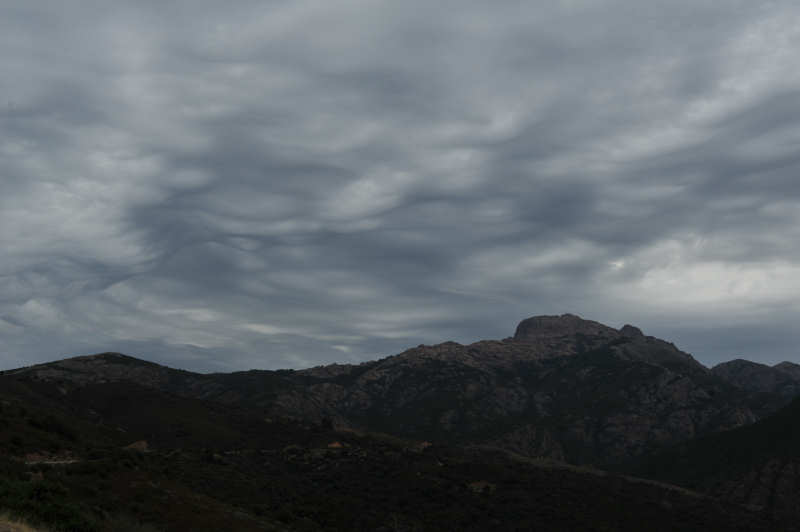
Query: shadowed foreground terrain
point(8, 524)
point(283, 476)
point(757, 465)
point(481, 439)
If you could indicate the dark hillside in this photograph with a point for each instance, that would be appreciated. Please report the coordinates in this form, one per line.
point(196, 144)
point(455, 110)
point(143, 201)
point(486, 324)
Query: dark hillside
point(782, 379)
point(757, 465)
point(479, 437)
point(112, 456)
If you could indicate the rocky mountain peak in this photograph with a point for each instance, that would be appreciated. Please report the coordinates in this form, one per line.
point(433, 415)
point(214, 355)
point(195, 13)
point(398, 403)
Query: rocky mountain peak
point(537, 328)
point(630, 331)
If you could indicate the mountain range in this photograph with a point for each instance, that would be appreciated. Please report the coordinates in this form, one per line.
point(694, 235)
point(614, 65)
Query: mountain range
point(499, 434)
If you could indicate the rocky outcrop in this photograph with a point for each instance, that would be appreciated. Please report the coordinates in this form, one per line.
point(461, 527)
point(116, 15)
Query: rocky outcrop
point(630, 331)
point(539, 328)
point(563, 335)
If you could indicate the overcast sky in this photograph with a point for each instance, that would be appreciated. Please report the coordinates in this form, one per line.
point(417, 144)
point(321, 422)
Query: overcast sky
point(233, 185)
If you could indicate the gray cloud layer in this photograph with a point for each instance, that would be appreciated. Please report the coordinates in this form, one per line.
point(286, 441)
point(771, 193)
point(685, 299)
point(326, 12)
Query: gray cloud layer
point(282, 184)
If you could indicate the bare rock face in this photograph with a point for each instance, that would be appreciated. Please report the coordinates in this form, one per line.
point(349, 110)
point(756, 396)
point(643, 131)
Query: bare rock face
point(539, 328)
point(629, 331)
point(565, 335)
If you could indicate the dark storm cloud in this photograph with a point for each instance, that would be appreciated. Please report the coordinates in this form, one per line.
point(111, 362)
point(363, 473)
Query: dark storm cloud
point(292, 183)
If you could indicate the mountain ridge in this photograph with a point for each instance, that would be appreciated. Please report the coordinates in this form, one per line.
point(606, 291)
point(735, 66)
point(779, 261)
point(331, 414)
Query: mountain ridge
point(782, 378)
point(529, 331)
point(425, 429)
point(528, 393)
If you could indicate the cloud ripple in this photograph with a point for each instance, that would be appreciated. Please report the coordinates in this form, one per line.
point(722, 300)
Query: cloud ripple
point(275, 184)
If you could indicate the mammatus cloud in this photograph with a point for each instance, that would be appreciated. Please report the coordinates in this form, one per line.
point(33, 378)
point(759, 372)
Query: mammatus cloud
point(280, 184)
